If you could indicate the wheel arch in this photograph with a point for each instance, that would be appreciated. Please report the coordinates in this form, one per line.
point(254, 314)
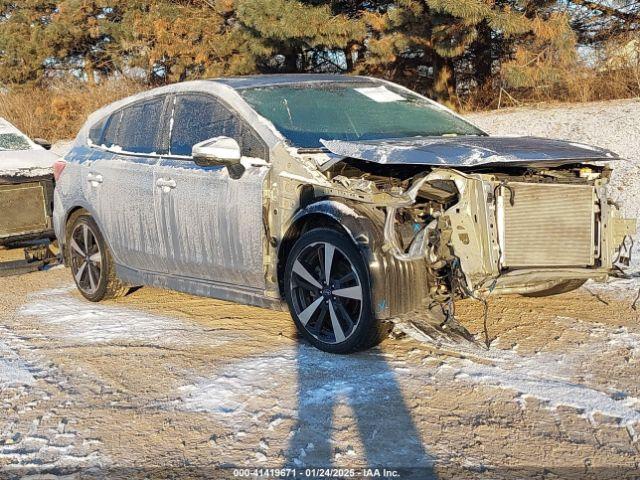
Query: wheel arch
point(327, 213)
point(69, 216)
point(396, 286)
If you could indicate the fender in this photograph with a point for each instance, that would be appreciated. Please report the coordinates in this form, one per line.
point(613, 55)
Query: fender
point(397, 287)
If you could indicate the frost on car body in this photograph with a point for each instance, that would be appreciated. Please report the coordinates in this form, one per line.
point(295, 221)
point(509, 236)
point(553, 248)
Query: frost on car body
point(434, 208)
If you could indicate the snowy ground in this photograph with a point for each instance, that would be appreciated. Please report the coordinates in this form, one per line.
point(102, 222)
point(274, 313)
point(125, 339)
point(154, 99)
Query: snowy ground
point(170, 381)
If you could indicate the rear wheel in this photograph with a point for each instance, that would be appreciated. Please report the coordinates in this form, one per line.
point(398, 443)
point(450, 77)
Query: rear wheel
point(327, 289)
point(557, 289)
point(91, 262)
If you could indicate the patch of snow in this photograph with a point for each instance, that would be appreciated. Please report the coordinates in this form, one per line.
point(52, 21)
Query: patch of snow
point(26, 163)
point(616, 289)
point(13, 369)
point(78, 320)
point(232, 390)
point(553, 377)
point(319, 392)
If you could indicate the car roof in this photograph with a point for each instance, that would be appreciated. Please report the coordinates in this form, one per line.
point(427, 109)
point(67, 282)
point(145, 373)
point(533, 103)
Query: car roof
point(252, 81)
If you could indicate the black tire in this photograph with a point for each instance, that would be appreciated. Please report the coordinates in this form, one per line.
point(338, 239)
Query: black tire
point(97, 281)
point(557, 289)
point(357, 328)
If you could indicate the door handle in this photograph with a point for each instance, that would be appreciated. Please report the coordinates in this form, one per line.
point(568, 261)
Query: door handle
point(166, 184)
point(94, 179)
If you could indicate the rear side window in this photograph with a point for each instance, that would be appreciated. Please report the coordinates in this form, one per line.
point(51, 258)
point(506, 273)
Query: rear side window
point(95, 134)
point(137, 128)
point(201, 117)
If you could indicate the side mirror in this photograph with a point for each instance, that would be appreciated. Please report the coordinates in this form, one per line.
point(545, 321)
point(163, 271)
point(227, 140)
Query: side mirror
point(219, 151)
point(43, 143)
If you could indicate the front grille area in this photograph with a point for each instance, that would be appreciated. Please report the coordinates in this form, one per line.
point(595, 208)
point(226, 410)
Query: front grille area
point(549, 225)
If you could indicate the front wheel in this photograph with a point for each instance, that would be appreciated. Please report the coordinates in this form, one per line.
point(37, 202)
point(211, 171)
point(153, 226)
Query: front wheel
point(328, 291)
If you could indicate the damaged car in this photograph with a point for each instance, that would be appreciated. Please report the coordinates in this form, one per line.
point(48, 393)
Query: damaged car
point(347, 201)
point(26, 196)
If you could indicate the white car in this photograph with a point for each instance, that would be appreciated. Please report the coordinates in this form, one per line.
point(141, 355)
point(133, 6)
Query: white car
point(346, 200)
point(26, 187)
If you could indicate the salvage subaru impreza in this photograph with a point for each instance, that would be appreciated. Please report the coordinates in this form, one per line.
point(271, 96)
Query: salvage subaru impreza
point(346, 200)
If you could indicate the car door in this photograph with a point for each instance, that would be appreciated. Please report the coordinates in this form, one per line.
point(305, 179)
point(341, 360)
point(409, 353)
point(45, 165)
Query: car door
point(120, 182)
point(213, 225)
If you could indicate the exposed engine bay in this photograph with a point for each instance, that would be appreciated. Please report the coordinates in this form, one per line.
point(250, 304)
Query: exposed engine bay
point(491, 228)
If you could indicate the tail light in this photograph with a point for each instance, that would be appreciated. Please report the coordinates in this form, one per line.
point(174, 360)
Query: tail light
point(58, 168)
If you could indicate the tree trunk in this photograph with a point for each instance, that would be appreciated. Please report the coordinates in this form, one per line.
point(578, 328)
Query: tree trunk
point(482, 55)
point(89, 71)
point(291, 62)
point(444, 82)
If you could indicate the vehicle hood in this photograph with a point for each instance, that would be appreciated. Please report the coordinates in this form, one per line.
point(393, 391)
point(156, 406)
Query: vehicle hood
point(466, 151)
point(26, 163)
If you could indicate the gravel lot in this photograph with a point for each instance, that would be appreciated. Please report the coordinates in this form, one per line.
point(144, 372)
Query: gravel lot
point(159, 380)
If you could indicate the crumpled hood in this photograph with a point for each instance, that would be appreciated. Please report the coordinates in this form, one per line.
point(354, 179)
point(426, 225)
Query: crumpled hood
point(466, 151)
point(27, 163)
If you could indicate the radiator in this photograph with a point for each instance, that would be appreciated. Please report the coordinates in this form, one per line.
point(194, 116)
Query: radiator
point(22, 209)
point(547, 225)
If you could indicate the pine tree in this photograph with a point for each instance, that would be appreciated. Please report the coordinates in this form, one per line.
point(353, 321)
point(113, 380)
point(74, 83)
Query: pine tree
point(294, 36)
point(174, 41)
point(546, 58)
point(425, 43)
point(44, 39)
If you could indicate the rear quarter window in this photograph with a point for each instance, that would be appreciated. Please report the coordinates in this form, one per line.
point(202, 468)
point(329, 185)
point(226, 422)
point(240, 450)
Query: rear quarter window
point(95, 134)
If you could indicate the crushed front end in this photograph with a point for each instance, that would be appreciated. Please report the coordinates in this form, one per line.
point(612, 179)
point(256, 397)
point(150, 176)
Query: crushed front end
point(521, 231)
point(450, 233)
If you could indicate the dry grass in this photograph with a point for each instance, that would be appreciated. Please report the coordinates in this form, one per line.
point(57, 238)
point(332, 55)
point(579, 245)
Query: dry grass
point(581, 85)
point(58, 111)
point(613, 74)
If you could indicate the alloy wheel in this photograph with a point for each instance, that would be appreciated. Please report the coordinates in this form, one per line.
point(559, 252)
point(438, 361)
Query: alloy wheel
point(326, 292)
point(86, 258)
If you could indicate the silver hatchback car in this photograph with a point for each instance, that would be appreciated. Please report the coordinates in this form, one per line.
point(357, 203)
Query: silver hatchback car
point(346, 200)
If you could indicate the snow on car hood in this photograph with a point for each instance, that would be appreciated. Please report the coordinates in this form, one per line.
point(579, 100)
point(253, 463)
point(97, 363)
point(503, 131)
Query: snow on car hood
point(26, 163)
point(466, 151)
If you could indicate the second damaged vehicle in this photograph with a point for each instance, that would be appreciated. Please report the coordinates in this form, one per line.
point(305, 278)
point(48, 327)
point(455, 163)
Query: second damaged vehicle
point(346, 200)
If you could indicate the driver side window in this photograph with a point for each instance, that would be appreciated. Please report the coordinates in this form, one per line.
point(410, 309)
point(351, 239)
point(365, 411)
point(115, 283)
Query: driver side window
point(199, 117)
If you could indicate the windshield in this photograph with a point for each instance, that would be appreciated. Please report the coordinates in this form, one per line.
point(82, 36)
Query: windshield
point(13, 141)
point(306, 113)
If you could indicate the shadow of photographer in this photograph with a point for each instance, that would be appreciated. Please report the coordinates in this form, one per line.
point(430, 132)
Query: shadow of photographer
point(368, 386)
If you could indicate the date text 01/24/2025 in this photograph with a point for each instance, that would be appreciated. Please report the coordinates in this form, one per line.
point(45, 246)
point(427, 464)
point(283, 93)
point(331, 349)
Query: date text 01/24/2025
point(316, 473)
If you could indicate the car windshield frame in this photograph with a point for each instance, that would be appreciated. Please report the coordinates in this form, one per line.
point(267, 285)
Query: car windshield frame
point(305, 112)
